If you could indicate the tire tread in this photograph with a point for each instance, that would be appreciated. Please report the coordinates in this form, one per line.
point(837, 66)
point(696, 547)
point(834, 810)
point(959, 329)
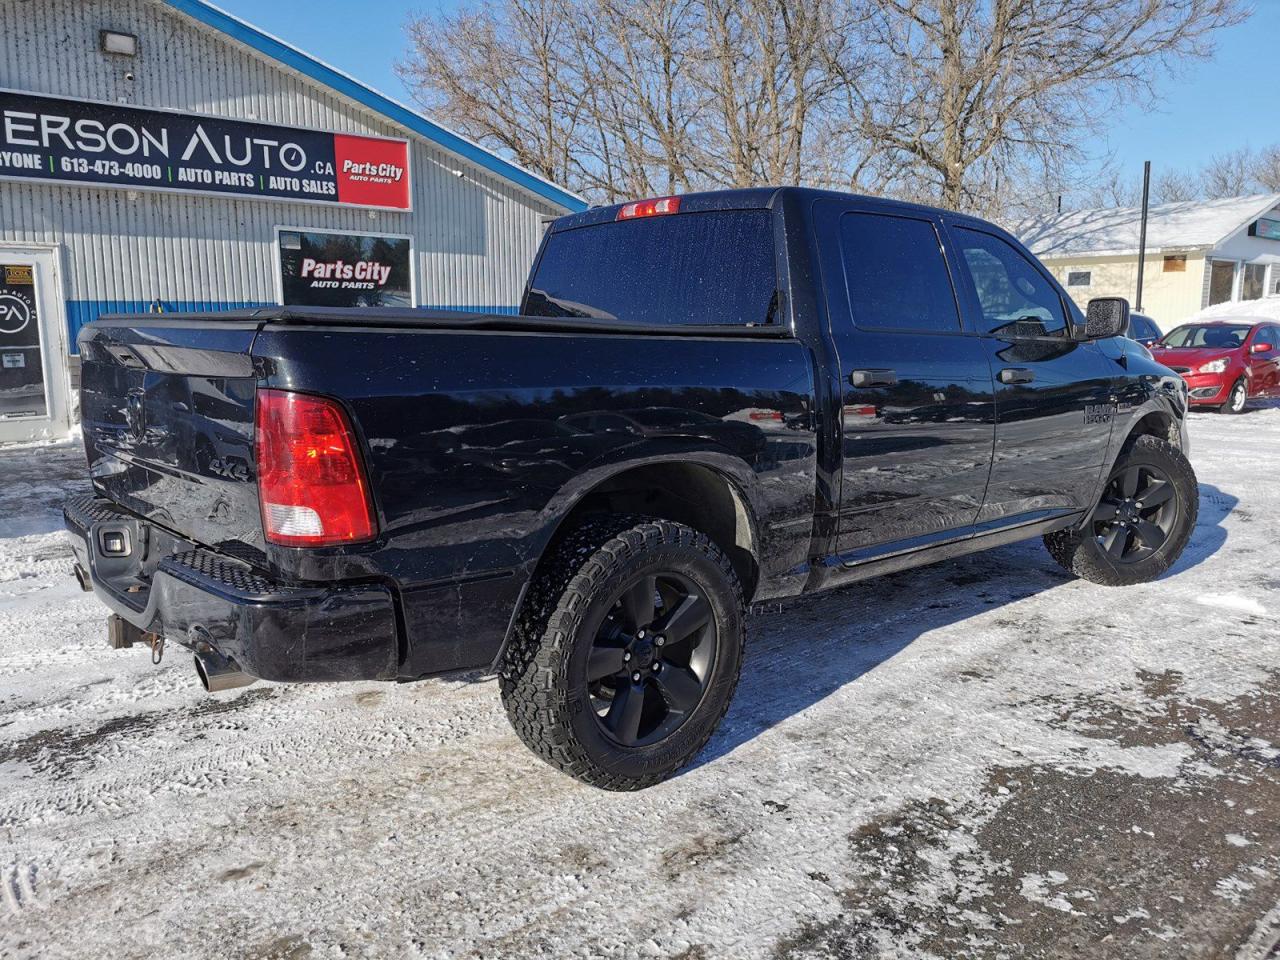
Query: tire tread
point(1074, 552)
point(533, 674)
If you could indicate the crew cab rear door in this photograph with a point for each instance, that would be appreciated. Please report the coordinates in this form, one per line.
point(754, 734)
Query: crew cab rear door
point(1055, 400)
point(918, 407)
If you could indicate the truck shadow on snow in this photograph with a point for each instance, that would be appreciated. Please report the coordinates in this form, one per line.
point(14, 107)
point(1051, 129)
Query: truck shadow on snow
point(801, 651)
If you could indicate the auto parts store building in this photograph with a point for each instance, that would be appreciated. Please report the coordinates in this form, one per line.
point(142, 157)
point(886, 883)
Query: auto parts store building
point(161, 155)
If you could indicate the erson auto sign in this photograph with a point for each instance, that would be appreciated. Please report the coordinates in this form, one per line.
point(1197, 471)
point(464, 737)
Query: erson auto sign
point(75, 141)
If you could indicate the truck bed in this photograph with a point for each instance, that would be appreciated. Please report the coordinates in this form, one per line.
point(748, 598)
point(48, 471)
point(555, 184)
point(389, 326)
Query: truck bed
point(479, 432)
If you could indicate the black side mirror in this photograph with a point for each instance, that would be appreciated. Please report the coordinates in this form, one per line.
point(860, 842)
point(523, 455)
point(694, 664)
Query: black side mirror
point(1106, 317)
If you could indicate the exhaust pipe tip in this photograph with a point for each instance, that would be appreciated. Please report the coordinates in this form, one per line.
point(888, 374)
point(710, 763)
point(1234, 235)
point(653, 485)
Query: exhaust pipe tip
point(217, 672)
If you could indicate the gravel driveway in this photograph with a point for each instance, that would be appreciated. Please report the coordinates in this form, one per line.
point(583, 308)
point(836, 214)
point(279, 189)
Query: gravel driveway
point(982, 758)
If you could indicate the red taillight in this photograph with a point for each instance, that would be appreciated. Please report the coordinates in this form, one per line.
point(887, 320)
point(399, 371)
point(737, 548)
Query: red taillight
point(649, 208)
point(310, 480)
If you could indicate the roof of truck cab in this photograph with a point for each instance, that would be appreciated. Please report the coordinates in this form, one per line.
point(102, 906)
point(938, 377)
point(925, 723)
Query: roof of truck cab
point(743, 198)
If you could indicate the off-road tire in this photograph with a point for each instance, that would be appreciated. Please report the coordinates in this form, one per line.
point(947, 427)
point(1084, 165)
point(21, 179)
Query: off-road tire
point(543, 683)
point(1078, 551)
point(1237, 399)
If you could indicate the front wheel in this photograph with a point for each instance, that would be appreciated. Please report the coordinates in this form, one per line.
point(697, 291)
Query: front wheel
point(1237, 398)
point(627, 651)
point(1142, 522)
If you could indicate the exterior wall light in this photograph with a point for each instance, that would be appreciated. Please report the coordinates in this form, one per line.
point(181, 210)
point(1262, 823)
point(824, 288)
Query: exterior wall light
point(125, 44)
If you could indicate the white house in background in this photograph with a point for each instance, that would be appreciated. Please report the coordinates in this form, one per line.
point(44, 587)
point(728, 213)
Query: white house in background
point(1199, 253)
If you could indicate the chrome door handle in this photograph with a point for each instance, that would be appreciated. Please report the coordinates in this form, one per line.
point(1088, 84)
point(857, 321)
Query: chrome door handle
point(873, 378)
point(1017, 375)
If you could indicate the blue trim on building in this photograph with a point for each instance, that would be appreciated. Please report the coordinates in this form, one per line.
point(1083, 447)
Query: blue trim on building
point(477, 308)
point(308, 66)
point(80, 312)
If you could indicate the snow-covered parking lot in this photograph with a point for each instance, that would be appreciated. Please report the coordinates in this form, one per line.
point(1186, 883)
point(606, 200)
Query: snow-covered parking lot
point(981, 758)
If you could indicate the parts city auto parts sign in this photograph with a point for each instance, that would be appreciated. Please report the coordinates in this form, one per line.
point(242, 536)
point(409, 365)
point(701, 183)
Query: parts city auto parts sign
point(344, 269)
point(75, 141)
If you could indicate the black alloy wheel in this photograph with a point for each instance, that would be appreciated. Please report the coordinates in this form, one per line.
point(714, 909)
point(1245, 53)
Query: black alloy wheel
point(1142, 523)
point(626, 652)
point(651, 658)
point(1136, 514)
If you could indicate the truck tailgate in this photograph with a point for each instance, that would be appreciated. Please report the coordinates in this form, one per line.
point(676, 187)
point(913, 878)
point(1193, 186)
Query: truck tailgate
point(168, 413)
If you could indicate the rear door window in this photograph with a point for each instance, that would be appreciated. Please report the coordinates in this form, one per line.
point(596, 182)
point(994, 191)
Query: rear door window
point(715, 267)
point(896, 275)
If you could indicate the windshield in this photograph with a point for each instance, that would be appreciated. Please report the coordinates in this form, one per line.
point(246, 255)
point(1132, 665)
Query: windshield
point(1208, 335)
point(685, 268)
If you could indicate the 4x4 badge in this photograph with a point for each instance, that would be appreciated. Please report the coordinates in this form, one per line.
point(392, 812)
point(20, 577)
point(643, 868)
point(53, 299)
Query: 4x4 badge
point(230, 468)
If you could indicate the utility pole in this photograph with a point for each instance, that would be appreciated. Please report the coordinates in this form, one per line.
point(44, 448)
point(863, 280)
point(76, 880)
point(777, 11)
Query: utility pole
point(1142, 231)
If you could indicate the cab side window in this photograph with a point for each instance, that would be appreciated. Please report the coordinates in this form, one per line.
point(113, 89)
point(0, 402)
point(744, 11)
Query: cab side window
point(1267, 335)
point(1016, 298)
point(896, 276)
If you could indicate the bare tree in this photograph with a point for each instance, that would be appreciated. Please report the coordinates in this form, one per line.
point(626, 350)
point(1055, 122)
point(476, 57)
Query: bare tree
point(1266, 169)
point(1228, 174)
point(968, 86)
point(1174, 185)
point(618, 98)
point(503, 76)
point(1109, 187)
point(973, 103)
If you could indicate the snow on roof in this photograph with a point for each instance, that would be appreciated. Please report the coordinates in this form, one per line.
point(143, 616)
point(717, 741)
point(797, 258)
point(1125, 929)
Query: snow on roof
point(1114, 231)
point(1250, 311)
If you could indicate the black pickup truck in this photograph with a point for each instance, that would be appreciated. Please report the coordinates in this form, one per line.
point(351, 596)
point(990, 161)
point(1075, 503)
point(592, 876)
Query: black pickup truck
point(706, 400)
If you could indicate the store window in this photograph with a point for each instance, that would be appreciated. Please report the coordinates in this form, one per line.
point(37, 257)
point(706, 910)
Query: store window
point(1079, 278)
point(1253, 283)
point(1175, 264)
point(1222, 276)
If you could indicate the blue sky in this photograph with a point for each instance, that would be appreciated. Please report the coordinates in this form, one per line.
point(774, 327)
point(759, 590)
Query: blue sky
point(1212, 107)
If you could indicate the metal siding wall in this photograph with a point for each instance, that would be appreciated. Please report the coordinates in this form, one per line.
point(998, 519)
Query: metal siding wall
point(474, 236)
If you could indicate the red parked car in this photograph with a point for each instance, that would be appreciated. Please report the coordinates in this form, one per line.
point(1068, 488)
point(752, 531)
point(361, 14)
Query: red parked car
point(1225, 362)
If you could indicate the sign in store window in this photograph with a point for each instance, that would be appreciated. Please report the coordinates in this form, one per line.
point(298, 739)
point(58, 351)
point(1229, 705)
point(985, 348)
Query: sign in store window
point(325, 269)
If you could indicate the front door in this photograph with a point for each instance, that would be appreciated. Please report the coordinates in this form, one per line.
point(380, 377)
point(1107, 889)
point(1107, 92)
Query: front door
point(33, 380)
point(1055, 400)
point(918, 411)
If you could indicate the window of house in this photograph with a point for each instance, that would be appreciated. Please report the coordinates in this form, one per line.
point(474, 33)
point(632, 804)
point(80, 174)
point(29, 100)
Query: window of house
point(1079, 278)
point(1251, 284)
point(1222, 275)
point(1175, 264)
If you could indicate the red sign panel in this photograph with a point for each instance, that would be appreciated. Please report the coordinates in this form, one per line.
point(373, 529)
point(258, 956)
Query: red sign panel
point(372, 172)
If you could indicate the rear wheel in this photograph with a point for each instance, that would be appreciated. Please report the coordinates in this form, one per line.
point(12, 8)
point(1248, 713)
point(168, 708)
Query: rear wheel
point(627, 652)
point(1142, 522)
point(1237, 398)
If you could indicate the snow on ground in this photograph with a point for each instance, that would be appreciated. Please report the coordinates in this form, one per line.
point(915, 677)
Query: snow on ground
point(981, 758)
